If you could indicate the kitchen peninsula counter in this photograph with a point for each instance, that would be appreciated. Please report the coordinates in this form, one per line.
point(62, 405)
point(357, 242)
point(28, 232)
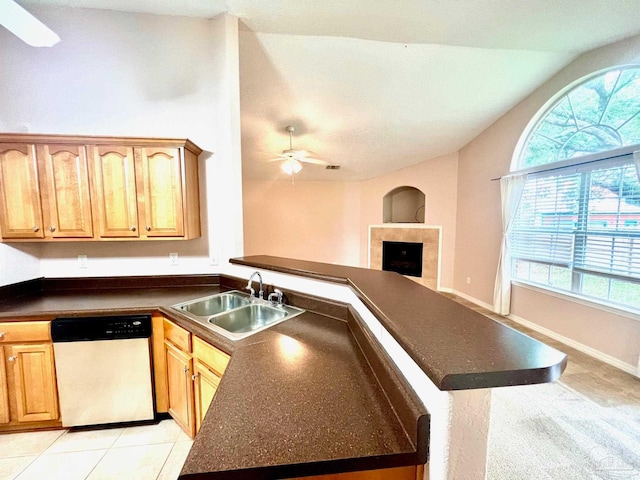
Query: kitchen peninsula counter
point(312, 395)
point(457, 348)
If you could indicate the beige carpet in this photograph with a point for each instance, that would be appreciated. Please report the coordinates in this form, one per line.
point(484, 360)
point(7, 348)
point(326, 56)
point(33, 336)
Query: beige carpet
point(552, 432)
point(584, 426)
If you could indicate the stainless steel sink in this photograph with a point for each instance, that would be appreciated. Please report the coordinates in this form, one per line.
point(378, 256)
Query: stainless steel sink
point(250, 318)
point(205, 307)
point(235, 314)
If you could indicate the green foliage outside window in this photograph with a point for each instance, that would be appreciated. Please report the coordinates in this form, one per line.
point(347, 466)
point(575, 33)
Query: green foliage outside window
point(601, 114)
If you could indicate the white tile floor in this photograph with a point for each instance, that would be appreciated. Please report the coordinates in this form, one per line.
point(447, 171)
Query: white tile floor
point(149, 452)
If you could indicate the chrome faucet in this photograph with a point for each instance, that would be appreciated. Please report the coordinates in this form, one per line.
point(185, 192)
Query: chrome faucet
point(250, 288)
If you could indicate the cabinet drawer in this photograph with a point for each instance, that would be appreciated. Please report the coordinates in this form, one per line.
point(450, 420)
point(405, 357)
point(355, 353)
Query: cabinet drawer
point(210, 355)
point(180, 337)
point(11, 332)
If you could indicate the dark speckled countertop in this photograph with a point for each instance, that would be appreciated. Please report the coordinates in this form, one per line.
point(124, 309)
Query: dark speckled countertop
point(311, 395)
point(456, 347)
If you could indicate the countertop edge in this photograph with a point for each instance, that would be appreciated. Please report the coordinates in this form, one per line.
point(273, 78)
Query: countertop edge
point(409, 409)
point(444, 381)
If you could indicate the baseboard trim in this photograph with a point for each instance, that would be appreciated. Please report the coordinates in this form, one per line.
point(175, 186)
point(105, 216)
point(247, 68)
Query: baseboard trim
point(597, 354)
point(472, 299)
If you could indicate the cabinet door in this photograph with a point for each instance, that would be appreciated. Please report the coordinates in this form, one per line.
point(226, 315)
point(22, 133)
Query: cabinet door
point(4, 392)
point(159, 175)
point(114, 182)
point(33, 380)
point(399, 473)
point(20, 209)
point(65, 191)
point(180, 387)
point(206, 383)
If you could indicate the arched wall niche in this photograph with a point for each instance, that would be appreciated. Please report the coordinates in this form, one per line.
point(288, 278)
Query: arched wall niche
point(403, 205)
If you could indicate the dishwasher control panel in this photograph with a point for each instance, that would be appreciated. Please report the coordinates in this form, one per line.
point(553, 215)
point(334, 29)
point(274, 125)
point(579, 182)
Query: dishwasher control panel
point(112, 327)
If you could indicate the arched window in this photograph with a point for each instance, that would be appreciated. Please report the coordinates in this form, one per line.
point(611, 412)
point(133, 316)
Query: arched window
point(577, 225)
point(601, 113)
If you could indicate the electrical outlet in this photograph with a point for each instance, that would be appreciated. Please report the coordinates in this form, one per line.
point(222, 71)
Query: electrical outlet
point(213, 259)
point(82, 261)
point(468, 280)
point(173, 258)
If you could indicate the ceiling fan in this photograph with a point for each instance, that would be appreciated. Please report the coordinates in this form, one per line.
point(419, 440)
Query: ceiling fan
point(291, 158)
point(25, 26)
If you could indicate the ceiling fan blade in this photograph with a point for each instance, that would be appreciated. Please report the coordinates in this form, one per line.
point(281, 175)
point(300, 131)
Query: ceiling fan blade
point(279, 159)
point(315, 161)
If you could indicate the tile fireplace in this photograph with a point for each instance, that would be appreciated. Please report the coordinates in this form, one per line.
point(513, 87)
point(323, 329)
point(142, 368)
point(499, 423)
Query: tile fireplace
point(409, 249)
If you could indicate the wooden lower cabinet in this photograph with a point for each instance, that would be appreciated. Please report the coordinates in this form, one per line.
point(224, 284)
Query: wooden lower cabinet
point(34, 382)
point(193, 370)
point(205, 384)
point(180, 387)
point(413, 472)
point(4, 391)
point(210, 364)
point(28, 393)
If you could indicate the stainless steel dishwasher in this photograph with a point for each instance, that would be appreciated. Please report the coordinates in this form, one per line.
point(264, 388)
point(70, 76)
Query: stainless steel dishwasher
point(103, 369)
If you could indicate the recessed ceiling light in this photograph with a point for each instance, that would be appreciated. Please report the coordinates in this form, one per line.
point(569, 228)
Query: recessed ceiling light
point(25, 26)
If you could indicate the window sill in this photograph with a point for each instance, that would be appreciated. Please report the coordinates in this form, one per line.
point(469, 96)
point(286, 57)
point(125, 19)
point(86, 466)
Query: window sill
point(588, 302)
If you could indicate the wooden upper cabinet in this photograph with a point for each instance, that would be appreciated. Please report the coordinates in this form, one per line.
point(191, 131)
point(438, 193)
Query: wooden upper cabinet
point(20, 207)
point(115, 199)
point(160, 182)
point(60, 187)
point(65, 191)
point(168, 195)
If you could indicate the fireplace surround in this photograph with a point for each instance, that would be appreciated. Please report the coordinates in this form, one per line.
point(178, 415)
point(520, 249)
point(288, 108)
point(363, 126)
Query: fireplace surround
point(429, 236)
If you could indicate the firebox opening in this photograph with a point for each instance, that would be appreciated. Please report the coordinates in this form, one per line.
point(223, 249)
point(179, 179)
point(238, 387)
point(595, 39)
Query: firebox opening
point(402, 257)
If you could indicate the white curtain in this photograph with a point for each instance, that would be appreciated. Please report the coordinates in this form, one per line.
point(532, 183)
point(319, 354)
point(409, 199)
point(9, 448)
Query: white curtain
point(511, 189)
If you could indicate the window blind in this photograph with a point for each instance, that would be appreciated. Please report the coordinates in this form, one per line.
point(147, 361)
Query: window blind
point(544, 226)
point(584, 217)
point(608, 241)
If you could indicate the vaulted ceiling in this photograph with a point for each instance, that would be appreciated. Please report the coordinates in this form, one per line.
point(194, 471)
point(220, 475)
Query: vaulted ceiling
point(375, 85)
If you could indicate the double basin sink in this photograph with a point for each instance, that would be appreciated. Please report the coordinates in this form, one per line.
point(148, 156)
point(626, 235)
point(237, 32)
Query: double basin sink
point(235, 314)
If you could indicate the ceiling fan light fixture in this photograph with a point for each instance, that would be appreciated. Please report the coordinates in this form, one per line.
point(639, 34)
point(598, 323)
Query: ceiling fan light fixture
point(25, 26)
point(291, 166)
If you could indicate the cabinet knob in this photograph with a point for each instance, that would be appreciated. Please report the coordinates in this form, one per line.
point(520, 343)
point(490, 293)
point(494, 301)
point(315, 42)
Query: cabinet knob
point(35, 229)
point(52, 228)
point(186, 369)
point(2, 334)
point(193, 377)
point(148, 228)
point(12, 358)
point(132, 228)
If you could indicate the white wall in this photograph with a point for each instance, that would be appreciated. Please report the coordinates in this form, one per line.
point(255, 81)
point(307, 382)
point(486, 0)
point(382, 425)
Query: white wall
point(18, 265)
point(614, 337)
point(329, 221)
point(316, 221)
point(128, 74)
